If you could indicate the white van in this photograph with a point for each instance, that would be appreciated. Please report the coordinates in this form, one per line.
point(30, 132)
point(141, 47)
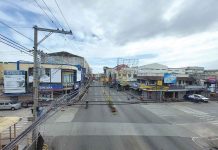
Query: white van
point(7, 104)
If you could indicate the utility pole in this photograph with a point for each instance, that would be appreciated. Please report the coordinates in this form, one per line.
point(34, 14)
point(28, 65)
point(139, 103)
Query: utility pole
point(36, 71)
point(35, 75)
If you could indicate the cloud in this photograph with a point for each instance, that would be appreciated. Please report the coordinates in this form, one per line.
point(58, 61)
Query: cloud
point(176, 33)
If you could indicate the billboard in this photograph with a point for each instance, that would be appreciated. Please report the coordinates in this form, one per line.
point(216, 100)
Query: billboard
point(14, 81)
point(55, 75)
point(78, 75)
point(43, 72)
point(212, 79)
point(169, 78)
point(45, 75)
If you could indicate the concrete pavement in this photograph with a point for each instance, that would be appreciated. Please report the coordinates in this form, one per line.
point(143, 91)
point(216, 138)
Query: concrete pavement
point(161, 126)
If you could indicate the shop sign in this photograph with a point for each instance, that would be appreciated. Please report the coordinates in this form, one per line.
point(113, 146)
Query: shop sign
point(50, 87)
point(14, 81)
point(135, 85)
point(160, 82)
point(212, 79)
point(169, 78)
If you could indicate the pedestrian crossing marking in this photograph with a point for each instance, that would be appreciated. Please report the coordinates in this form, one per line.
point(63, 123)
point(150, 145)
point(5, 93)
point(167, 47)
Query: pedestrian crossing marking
point(199, 114)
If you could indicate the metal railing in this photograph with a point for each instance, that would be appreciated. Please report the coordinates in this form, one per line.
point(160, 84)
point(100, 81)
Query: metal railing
point(66, 99)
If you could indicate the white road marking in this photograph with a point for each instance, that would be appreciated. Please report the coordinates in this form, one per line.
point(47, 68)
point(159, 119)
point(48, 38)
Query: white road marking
point(160, 110)
point(200, 142)
point(109, 128)
point(199, 114)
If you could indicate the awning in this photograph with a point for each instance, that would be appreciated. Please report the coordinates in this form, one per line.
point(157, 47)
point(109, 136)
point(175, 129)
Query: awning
point(17, 94)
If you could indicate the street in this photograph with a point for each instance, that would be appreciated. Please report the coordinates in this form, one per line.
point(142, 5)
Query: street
point(154, 126)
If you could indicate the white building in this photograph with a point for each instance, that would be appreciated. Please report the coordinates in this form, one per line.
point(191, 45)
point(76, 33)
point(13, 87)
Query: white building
point(66, 57)
point(194, 70)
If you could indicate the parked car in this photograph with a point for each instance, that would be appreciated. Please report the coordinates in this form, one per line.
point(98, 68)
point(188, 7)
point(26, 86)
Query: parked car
point(27, 103)
point(185, 97)
point(10, 105)
point(192, 98)
point(201, 98)
point(196, 98)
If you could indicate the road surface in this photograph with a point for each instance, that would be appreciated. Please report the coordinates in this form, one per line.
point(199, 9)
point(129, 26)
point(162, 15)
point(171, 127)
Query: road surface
point(157, 126)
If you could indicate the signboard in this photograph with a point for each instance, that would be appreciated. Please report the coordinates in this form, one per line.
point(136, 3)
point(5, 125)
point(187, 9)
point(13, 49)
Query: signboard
point(56, 75)
point(50, 87)
point(135, 85)
point(78, 75)
point(44, 74)
point(212, 79)
point(14, 81)
point(160, 82)
point(76, 86)
point(169, 78)
point(212, 88)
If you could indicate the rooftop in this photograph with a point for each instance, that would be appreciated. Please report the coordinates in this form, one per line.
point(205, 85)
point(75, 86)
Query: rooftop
point(63, 53)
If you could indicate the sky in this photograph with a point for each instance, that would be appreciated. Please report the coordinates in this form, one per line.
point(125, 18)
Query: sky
point(176, 33)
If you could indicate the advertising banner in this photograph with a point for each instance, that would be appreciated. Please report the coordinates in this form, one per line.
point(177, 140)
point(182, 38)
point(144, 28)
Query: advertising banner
point(78, 75)
point(50, 87)
point(159, 82)
point(44, 75)
point(14, 81)
point(169, 78)
point(135, 85)
point(212, 79)
point(56, 75)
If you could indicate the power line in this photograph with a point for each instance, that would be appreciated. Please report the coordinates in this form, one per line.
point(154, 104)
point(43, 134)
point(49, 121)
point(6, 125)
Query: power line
point(62, 14)
point(16, 30)
point(12, 28)
point(21, 27)
point(52, 14)
point(17, 48)
point(45, 13)
point(14, 43)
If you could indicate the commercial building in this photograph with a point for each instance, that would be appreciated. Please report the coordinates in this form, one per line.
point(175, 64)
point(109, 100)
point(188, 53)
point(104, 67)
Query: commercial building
point(210, 78)
point(16, 80)
point(159, 82)
point(66, 57)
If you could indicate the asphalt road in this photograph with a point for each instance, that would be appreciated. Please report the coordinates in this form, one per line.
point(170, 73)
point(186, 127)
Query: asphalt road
point(161, 126)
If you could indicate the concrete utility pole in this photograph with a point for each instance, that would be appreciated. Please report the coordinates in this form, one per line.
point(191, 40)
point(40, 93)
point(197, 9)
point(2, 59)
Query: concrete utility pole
point(36, 69)
point(35, 75)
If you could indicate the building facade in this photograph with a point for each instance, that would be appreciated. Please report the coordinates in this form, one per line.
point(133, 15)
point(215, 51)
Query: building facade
point(152, 80)
point(55, 79)
point(66, 58)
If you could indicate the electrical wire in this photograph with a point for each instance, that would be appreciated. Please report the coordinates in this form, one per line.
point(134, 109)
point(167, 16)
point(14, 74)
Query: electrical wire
point(45, 13)
point(62, 14)
point(15, 48)
point(52, 14)
point(16, 30)
point(13, 42)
